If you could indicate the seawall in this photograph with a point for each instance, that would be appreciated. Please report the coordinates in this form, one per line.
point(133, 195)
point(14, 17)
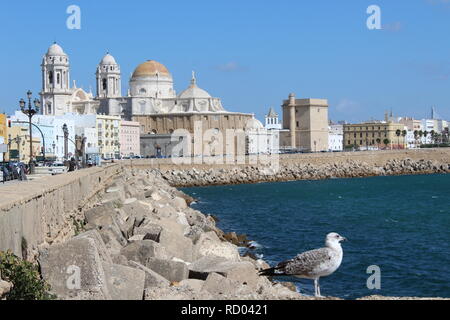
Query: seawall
point(306, 167)
point(44, 210)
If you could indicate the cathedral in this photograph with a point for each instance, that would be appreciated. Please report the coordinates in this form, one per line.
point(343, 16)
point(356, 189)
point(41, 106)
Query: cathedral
point(151, 99)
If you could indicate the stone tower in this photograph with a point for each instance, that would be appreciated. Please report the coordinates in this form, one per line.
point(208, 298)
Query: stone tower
point(56, 91)
point(108, 78)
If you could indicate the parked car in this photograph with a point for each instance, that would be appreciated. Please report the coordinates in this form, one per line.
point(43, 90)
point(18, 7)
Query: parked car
point(58, 168)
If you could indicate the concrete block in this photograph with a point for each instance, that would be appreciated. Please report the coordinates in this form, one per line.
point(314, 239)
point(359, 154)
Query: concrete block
point(150, 232)
point(101, 247)
point(124, 283)
point(177, 245)
point(243, 273)
point(141, 251)
point(152, 279)
point(173, 271)
point(113, 238)
point(217, 284)
point(74, 270)
point(209, 244)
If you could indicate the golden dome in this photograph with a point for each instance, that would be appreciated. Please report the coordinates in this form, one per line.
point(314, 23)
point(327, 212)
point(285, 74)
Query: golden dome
point(149, 69)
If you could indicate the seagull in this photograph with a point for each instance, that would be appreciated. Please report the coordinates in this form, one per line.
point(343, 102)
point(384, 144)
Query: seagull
point(313, 264)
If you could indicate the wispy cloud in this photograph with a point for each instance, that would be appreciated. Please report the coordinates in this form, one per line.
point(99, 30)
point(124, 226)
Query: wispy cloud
point(347, 105)
point(231, 66)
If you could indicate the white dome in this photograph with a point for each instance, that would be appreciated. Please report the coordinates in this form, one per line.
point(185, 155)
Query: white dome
point(194, 92)
point(254, 124)
point(108, 60)
point(55, 50)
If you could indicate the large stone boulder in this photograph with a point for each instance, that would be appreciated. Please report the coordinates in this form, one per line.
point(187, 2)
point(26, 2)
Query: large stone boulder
point(74, 270)
point(209, 244)
point(99, 244)
point(179, 203)
point(217, 285)
point(243, 273)
point(100, 215)
point(137, 210)
point(174, 271)
point(142, 251)
point(150, 232)
point(152, 279)
point(124, 283)
point(177, 245)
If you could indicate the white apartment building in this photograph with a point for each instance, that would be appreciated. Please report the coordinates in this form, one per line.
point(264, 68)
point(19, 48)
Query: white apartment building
point(336, 137)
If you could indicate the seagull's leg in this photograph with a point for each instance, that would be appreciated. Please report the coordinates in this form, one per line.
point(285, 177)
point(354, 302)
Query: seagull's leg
point(316, 286)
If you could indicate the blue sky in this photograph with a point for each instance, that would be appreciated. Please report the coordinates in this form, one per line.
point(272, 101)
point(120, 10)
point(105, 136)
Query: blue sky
point(251, 54)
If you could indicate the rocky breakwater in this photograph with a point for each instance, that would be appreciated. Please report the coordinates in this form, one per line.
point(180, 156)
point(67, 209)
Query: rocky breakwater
point(141, 240)
point(299, 171)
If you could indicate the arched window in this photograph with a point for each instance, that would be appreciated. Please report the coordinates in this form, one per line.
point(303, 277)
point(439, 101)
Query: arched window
point(50, 77)
point(49, 108)
point(105, 83)
point(58, 78)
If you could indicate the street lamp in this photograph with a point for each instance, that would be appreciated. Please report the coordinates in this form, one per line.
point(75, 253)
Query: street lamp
point(30, 111)
point(66, 139)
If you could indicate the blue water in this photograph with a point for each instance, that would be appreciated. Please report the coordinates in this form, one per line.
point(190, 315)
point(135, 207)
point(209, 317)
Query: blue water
point(401, 224)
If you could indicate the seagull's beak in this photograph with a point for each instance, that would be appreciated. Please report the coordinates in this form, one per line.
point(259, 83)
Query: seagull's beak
point(343, 239)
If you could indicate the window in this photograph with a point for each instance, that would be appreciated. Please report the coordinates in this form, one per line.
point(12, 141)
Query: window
point(58, 78)
point(104, 84)
point(50, 77)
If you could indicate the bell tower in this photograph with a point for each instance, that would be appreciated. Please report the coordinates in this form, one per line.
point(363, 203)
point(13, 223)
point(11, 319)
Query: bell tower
point(55, 81)
point(108, 78)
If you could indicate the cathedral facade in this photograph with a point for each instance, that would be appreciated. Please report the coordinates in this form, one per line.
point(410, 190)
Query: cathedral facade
point(151, 98)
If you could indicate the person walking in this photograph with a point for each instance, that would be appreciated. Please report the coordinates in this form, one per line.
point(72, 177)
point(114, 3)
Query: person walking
point(22, 173)
point(72, 165)
point(5, 174)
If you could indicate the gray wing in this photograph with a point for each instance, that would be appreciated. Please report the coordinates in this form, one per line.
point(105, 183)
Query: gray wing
point(305, 263)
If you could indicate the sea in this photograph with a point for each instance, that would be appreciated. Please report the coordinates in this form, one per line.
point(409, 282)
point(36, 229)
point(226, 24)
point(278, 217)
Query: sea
point(398, 229)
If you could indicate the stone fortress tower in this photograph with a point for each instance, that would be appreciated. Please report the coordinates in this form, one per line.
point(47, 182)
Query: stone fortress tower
point(307, 124)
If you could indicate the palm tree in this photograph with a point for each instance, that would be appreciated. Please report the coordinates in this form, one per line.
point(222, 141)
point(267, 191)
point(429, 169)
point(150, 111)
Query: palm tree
point(425, 135)
point(378, 142)
point(433, 136)
point(404, 134)
point(416, 137)
point(386, 142)
point(398, 133)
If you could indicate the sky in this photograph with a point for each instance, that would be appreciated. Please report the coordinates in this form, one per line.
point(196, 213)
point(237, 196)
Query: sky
point(250, 53)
